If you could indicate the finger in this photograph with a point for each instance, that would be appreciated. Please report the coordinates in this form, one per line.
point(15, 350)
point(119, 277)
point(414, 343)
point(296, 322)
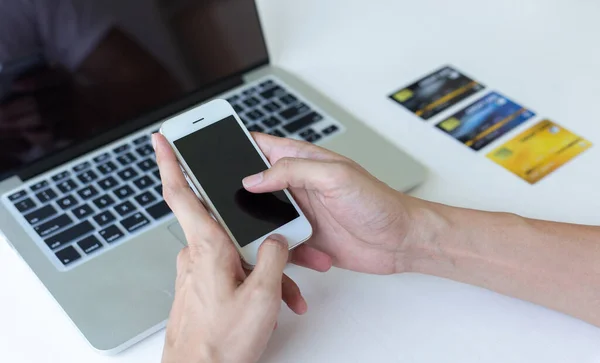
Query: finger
point(276, 148)
point(297, 173)
point(272, 258)
point(311, 258)
point(291, 295)
point(190, 213)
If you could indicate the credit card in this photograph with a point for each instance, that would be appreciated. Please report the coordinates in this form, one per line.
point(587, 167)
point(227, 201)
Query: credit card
point(436, 92)
point(539, 151)
point(485, 120)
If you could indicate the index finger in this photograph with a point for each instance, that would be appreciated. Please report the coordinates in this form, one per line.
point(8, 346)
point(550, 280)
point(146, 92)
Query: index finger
point(190, 213)
point(276, 148)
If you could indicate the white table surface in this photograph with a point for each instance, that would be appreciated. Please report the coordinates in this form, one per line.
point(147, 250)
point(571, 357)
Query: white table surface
point(542, 53)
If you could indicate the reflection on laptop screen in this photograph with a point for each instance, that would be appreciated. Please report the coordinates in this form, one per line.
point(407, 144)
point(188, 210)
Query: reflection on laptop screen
point(72, 69)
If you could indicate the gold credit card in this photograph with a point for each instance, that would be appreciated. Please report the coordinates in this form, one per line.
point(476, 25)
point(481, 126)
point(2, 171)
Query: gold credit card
point(539, 151)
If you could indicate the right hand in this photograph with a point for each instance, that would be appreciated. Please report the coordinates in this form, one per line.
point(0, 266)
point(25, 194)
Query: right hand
point(358, 220)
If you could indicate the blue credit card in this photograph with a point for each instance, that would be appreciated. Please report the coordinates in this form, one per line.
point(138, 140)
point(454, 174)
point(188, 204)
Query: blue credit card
point(485, 120)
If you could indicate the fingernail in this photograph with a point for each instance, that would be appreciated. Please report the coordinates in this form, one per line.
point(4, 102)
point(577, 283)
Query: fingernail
point(277, 238)
point(154, 142)
point(253, 180)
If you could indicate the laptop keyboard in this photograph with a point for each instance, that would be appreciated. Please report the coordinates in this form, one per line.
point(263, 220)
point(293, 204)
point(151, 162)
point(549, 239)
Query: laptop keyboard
point(101, 200)
point(271, 108)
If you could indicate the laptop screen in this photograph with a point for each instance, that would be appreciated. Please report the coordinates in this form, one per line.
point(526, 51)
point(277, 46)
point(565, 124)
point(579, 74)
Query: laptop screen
point(74, 69)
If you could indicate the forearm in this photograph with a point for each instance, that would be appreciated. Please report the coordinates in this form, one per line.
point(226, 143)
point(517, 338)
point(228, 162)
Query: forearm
point(556, 265)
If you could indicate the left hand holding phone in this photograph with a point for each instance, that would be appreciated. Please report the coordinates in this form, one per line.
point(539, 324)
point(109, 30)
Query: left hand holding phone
point(219, 313)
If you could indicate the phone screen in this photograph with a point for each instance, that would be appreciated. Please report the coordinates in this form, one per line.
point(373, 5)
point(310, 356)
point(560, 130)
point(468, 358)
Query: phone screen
point(220, 156)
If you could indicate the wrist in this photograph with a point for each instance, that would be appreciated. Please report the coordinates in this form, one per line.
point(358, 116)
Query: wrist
point(199, 353)
point(424, 243)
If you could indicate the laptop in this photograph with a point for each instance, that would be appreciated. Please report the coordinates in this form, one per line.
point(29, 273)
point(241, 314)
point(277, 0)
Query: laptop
point(81, 199)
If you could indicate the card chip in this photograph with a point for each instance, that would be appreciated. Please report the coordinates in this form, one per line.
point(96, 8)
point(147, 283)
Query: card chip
point(450, 124)
point(503, 153)
point(403, 95)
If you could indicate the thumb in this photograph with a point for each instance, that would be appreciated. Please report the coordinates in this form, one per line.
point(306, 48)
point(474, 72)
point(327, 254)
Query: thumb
point(272, 258)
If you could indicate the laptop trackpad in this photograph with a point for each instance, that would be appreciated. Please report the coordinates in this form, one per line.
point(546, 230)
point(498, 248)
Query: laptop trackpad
point(177, 231)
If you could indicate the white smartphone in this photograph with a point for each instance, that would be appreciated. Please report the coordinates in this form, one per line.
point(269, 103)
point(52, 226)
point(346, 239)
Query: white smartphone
point(216, 152)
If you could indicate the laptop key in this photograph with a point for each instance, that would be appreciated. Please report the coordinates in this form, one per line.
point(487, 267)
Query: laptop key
point(159, 190)
point(288, 99)
point(126, 159)
point(143, 182)
point(108, 183)
point(145, 150)
point(123, 192)
point(159, 210)
point(156, 174)
point(107, 168)
point(88, 192)
point(90, 244)
point(277, 133)
point(313, 137)
point(121, 149)
point(67, 202)
point(255, 128)
point(271, 122)
point(330, 130)
point(294, 111)
point(16, 196)
point(111, 234)
point(46, 195)
point(68, 255)
point(135, 222)
point(146, 165)
point(272, 107)
point(255, 115)
point(125, 208)
point(81, 167)
point(104, 201)
point(53, 225)
point(145, 198)
point(267, 84)
point(142, 139)
point(25, 205)
point(304, 134)
point(233, 99)
point(249, 91)
point(237, 108)
point(303, 122)
point(101, 158)
point(83, 211)
point(251, 101)
point(272, 92)
point(87, 177)
point(66, 186)
point(39, 186)
point(104, 218)
point(60, 176)
point(41, 214)
point(69, 235)
point(127, 174)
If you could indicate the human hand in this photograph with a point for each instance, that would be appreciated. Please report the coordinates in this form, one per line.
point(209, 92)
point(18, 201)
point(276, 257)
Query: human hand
point(219, 314)
point(362, 223)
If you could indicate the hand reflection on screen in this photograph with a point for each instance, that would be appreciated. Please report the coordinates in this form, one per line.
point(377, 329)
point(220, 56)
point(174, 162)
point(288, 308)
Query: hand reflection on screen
point(266, 207)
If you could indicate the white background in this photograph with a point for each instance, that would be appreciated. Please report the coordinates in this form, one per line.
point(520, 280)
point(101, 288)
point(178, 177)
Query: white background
point(543, 54)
